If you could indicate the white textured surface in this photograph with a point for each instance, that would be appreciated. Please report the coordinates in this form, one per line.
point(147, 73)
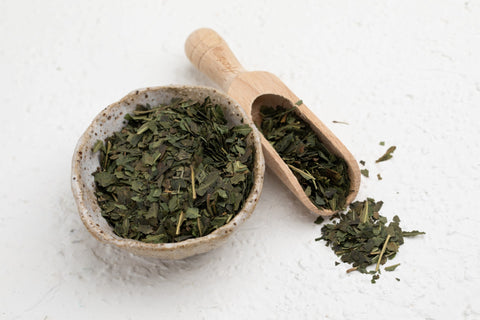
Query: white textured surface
point(406, 72)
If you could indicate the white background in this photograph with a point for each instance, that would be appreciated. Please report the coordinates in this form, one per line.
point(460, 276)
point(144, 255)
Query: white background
point(406, 72)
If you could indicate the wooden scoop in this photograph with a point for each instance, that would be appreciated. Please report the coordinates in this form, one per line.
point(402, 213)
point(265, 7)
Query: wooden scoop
point(252, 89)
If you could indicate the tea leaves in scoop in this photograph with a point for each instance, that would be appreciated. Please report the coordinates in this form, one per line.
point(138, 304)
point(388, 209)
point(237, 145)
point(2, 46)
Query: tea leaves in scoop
point(322, 175)
point(174, 172)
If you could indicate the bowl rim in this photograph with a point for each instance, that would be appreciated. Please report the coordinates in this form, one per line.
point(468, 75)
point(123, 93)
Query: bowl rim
point(79, 189)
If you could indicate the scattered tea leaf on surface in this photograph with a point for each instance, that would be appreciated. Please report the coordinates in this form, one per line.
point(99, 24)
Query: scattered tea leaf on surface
point(364, 172)
point(387, 155)
point(413, 233)
point(392, 267)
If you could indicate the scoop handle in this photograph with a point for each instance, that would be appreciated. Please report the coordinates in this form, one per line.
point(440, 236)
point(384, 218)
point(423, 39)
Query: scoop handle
point(210, 54)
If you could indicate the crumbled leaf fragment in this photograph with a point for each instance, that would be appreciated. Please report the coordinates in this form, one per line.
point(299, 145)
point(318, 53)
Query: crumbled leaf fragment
point(382, 143)
point(319, 220)
point(105, 179)
point(362, 162)
point(387, 155)
point(413, 233)
point(379, 177)
point(97, 146)
point(299, 102)
point(364, 172)
point(392, 267)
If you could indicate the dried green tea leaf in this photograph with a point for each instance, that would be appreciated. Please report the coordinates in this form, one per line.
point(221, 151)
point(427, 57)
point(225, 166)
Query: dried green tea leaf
point(158, 238)
point(379, 177)
point(97, 146)
point(341, 122)
point(362, 162)
point(192, 213)
point(105, 179)
point(382, 143)
point(319, 220)
point(364, 172)
point(387, 155)
point(322, 175)
point(392, 267)
point(244, 130)
point(299, 102)
point(413, 233)
point(174, 172)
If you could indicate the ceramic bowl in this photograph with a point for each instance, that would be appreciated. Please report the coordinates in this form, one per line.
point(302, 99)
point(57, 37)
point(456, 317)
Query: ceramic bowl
point(111, 119)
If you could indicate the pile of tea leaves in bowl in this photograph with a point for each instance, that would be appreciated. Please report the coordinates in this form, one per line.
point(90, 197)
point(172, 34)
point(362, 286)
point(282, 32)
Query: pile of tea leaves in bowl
point(174, 172)
point(322, 175)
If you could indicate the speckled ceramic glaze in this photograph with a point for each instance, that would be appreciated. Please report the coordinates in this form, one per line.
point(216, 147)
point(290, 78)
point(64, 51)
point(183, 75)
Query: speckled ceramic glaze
point(111, 119)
